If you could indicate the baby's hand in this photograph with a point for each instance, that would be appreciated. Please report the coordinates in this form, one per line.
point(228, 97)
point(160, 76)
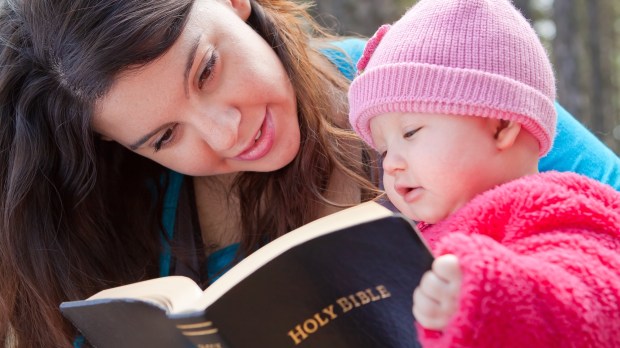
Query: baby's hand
point(435, 300)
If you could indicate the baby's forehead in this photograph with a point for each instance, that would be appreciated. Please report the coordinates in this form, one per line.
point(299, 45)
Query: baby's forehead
point(394, 117)
point(386, 119)
point(382, 125)
point(386, 124)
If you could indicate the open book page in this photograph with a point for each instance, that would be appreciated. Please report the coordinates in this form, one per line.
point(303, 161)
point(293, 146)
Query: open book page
point(345, 218)
point(173, 294)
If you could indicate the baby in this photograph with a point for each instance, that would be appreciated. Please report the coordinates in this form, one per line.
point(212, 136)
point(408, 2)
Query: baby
point(458, 97)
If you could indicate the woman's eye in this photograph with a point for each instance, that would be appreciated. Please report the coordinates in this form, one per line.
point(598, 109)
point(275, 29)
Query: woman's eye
point(164, 139)
point(207, 72)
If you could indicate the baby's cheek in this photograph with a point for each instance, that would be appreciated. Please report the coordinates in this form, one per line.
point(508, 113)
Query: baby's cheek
point(388, 186)
point(402, 206)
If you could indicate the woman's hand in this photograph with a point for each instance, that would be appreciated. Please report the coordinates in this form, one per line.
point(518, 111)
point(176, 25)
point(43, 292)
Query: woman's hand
point(435, 300)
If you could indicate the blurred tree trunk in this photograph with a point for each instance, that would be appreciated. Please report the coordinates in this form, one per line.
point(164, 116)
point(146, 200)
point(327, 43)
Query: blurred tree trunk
point(604, 89)
point(358, 17)
point(594, 51)
point(567, 49)
point(615, 57)
point(596, 79)
point(584, 53)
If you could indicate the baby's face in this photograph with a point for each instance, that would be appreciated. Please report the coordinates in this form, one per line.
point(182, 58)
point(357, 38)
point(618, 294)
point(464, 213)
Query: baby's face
point(434, 164)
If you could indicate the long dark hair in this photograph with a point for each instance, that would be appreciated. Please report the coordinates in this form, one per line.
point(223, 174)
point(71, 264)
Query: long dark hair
point(79, 214)
point(76, 212)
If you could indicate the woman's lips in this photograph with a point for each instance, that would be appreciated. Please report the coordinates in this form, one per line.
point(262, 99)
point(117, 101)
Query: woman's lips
point(263, 141)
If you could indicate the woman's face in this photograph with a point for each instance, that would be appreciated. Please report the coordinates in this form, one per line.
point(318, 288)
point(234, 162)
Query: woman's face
point(218, 101)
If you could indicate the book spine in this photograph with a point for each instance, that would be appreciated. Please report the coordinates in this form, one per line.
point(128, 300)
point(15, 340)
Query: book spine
point(201, 332)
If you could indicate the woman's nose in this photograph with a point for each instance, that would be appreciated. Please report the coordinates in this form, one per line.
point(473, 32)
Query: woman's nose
point(219, 127)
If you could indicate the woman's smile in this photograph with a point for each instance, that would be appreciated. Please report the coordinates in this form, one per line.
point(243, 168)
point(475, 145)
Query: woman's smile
point(261, 143)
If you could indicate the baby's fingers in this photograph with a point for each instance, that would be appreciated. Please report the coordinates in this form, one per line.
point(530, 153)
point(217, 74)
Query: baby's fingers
point(435, 300)
point(435, 288)
point(428, 312)
point(447, 268)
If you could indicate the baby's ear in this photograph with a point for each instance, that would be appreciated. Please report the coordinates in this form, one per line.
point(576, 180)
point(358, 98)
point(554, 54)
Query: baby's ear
point(505, 132)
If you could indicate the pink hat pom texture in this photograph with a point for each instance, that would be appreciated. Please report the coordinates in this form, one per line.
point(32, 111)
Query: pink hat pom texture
point(460, 57)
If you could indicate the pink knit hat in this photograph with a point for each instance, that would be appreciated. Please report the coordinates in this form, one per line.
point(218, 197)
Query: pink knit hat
point(460, 57)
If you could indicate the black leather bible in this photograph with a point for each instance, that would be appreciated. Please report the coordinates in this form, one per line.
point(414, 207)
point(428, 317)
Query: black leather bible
point(345, 280)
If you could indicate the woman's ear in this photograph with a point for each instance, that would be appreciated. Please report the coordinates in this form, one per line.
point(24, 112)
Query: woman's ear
point(505, 133)
point(242, 8)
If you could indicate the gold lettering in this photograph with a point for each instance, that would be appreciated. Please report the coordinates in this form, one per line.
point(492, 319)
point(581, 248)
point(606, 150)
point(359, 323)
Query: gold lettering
point(310, 326)
point(345, 304)
point(383, 291)
point(319, 320)
point(327, 314)
point(330, 311)
point(355, 303)
point(209, 345)
point(361, 295)
point(372, 295)
point(298, 334)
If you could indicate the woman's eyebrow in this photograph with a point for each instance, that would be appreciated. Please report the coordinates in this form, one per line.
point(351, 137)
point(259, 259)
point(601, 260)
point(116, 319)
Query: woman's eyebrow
point(191, 56)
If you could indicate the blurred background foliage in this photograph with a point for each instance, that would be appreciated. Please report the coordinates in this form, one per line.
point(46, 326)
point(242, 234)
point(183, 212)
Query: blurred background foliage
point(581, 37)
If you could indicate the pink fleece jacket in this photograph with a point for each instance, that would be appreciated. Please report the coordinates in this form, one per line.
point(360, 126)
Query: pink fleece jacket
point(541, 265)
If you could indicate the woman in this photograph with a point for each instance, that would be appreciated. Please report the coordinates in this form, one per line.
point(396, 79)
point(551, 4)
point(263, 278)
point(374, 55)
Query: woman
point(214, 121)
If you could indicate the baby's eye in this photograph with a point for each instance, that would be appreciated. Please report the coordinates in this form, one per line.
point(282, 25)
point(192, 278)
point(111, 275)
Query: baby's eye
point(409, 134)
point(383, 154)
point(164, 139)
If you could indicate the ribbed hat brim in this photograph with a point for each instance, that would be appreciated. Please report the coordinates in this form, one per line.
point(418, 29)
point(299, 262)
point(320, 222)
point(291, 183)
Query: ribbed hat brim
point(433, 89)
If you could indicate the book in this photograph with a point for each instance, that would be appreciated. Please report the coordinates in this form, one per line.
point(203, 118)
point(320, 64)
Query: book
point(344, 280)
